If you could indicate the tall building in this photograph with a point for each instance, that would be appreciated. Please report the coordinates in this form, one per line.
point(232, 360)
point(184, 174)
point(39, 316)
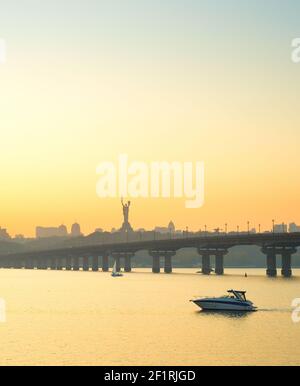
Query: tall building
point(294, 228)
point(280, 228)
point(76, 230)
point(171, 227)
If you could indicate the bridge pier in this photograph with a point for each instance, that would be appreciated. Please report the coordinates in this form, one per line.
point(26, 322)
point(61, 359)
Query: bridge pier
point(206, 263)
point(219, 267)
point(168, 262)
point(59, 264)
point(86, 263)
point(167, 256)
point(105, 263)
point(45, 264)
point(34, 263)
point(29, 263)
point(53, 264)
point(155, 262)
point(118, 263)
point(286, 257)
point(18, 264)
point(95, 265)
point(128, 267)
point(69, 263)
point(271, 261)
point(287, 262)
point(75, 263)
point(8, 263)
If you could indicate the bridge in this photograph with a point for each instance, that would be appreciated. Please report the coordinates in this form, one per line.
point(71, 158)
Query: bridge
point(208, 245)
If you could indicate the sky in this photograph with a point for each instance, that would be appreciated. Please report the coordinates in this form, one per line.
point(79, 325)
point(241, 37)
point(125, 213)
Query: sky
point(180, 80)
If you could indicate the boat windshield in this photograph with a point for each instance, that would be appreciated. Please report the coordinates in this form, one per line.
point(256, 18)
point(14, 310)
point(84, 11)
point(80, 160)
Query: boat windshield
point(239, 295)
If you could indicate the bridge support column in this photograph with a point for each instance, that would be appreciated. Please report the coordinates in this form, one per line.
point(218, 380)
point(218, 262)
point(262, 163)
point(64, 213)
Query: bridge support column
point(40, 264)
point(69, 263)
point(219, 269)
point(95, 264)
point(53, 264)
point(287, 262)
point(28, 263)
point(59, 264)
point(168, 262)
point(105, 263)
point(8, 263)
point(118, 263)
point(155, 262)
point(128, 263)
point(45, 264)
point(19, 264)
point(271, 261)
point(86, 263)
point(75, 263)
point(206, 264)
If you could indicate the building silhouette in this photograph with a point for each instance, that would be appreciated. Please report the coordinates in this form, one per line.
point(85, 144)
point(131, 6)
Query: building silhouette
point(4, 234)
point(60, 231)
point(76, 230)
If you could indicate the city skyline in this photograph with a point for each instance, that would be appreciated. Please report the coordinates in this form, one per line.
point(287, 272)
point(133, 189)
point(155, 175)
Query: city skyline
point(76, 230)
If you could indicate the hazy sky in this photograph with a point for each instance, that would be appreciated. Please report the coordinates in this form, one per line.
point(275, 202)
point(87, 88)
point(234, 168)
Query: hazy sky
point(180, 80)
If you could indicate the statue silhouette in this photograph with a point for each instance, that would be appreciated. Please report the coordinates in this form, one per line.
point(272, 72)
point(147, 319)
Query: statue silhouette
point(126, 208)
point(126, 227)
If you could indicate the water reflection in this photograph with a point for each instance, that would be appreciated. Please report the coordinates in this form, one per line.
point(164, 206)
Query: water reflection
point(225, 314)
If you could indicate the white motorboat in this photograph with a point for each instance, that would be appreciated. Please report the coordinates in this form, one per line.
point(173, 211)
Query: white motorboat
point(234, 301)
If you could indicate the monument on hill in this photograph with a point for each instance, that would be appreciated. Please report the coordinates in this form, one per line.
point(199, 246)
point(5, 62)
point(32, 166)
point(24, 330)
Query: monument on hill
point(126, 227)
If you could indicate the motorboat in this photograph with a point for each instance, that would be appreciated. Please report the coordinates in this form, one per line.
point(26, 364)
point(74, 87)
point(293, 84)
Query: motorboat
point(234, 301)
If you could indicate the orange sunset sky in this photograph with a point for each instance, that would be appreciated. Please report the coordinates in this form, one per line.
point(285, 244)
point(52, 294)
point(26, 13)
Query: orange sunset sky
point(177, 81)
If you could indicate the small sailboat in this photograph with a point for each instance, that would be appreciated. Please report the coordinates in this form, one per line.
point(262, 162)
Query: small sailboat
point(115, 273)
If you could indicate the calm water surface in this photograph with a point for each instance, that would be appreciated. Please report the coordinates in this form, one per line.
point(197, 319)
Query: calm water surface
point(82, 318)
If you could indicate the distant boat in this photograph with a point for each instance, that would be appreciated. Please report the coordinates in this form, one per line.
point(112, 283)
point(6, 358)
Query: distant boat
point(115, 273)
point(234, 301)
